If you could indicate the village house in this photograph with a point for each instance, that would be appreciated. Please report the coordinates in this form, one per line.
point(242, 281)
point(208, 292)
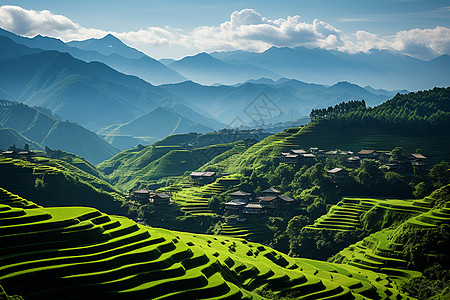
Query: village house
point(270, 192)
point(354, 161)
point(10, 154)
point(277, 206)
point(241, 196)
point(338, 173)
point(141, 196)
point(204, 177)
point(239, 200)
point(160, 199)
point(254, 209)
point(368, 154)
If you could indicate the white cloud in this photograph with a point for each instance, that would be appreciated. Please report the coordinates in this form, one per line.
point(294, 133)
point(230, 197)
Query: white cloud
point(248, 30)
point(245, 30)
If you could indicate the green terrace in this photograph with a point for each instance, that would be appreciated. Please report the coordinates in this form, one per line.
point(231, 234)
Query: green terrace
point(79, 253)
point(194, 200)
point(347, 214)
point(380, 252)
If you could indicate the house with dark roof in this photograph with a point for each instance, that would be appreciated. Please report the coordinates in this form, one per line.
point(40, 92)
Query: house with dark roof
point(238, 200)
point(204, 177)
point(368, 154)
point(271, 192)
point(240, 195)
point(141, 196)
point(277, 205)
point(160, 199)
point(338, 173)
point(253, 209)
point(354, 161)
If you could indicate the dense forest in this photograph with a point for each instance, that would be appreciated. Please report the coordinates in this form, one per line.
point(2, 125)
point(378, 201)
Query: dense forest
point(424, 111)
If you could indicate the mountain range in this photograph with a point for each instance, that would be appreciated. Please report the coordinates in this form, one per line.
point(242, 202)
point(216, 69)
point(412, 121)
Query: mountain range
point(119, 56)
point(23, 124)
point(379, 68)
point(152, 126)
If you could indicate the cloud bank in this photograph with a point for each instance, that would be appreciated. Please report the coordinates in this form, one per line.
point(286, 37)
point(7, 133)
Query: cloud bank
point(245, 30)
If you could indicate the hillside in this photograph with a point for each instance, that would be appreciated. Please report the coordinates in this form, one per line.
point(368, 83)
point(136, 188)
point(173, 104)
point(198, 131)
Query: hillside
point(156, 124)
point(85, 252)
point(56, 182)
point(91, 94)
point(172, 156)
point(286, 99)
point(119, 56)
point(10, 137)
point(45, 130)
point(403, 121)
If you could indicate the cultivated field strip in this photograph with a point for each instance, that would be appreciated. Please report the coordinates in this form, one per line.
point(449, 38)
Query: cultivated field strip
point(194, 200)
point(346, 215)
point(381, 252)
point(80, 253)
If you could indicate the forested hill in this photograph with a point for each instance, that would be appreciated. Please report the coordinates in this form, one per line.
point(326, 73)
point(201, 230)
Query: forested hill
point(424, 111)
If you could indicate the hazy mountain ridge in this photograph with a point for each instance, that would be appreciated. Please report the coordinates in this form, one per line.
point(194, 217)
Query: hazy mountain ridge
point(44, 130)
point(289, 98)
point(156, 124)
point(378, 68)
point(143, 66)
point(91, 94)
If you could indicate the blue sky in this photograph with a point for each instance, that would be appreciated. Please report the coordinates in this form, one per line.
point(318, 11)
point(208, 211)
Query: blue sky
point(178, 28)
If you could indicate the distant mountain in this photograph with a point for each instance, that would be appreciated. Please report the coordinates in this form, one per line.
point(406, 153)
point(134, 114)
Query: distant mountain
point(10, 137)
point(108, 45)
point(119, 56)
point(376, 68)
point(9, 49)
point(285, 99)
point(158, 124)
point(45, 130)
point(91, 94)
point(205, 69)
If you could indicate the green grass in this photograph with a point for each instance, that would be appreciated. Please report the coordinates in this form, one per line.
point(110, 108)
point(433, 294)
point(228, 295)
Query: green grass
point(74, 253)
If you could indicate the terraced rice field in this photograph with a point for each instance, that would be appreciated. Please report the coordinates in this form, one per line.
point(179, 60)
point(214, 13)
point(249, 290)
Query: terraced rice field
point(347, 214)
point(194, 200)
point(250, 232)
point(380, 253)
point(80, 253)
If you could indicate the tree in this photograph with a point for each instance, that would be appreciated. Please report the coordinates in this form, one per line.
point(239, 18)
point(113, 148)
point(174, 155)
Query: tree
point(440, 174)
point(399, 153)
point(421, 190)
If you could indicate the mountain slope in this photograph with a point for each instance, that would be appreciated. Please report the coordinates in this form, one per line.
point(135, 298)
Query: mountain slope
point(91, 94)
point(10, 137)
point(139, 64)
point(205, 69)
point(286, 98)
point(48, 131)
point(107, 45)
point(156, 124)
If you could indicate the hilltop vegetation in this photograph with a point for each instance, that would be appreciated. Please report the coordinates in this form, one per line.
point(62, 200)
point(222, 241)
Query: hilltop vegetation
point(55, 182)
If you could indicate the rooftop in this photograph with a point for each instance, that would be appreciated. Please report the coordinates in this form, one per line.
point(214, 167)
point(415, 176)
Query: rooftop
point(366, 152)
point(272, 191)
point(240, 193)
